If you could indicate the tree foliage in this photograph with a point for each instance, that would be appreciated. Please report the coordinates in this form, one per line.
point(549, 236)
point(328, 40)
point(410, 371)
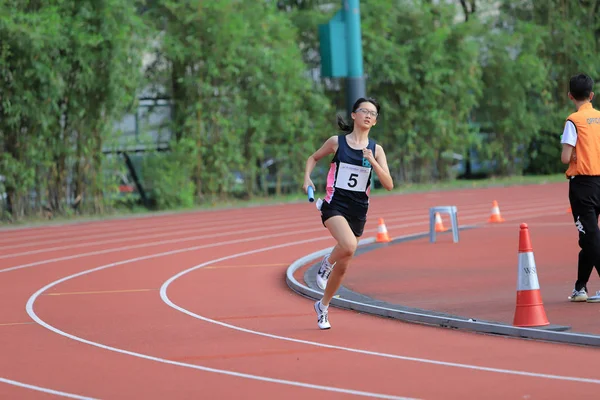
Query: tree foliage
point(473, 79)
point(68, 68)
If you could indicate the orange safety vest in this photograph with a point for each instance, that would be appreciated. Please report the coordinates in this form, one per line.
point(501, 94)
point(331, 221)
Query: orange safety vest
point(586, 154)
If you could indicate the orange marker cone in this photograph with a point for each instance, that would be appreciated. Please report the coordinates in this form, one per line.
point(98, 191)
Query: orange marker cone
point(495, 217)
point(382, 233)
point(439, 225)
point(530, 308)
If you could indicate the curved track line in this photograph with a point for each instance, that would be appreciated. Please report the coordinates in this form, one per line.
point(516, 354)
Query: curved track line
point(124, 235)
point(45, 390)
point(94, 226)
point(405, 214)
point(231, 326)
point(64, 394)
point(150, 244)
point(454, 322)
point(199, 225)
point(272, 226)
point(37, 319)
point(116, 249)
point(165, 298)
point(109, 225)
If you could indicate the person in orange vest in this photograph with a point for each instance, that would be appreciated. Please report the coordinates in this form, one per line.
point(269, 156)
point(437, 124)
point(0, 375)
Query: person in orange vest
point(581, 151)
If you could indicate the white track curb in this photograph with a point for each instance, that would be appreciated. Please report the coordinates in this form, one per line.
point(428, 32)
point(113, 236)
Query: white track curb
point(431, 318)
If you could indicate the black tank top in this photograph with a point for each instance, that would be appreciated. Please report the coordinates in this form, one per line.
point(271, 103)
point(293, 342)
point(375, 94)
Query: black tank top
point(349, 178)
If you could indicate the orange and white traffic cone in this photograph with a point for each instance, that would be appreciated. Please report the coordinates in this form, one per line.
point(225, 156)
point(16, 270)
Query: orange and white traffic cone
point(530, 308)
point(495, 217)
point(382, 233)
point(439, 225)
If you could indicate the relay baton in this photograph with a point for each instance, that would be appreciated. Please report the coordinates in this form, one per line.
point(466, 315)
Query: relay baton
point(311, 194)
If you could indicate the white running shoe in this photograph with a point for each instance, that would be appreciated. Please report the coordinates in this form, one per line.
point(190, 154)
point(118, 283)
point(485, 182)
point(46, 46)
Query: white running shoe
point(322, 317)
point(594, 299)
point(324, 272)
point(578, 295)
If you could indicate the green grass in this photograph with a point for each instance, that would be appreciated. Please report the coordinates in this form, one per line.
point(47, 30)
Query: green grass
point(216, 204)
point(481, 183)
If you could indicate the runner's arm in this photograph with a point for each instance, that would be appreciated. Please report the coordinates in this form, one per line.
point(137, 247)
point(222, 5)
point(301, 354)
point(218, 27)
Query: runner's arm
point(330, 146)
point(380, 167)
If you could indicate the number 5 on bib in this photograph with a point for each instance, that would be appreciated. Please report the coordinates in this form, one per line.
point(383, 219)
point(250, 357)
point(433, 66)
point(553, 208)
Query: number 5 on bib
point(352, 177)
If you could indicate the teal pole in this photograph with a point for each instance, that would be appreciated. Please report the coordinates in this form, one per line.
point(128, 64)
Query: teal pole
point(355, 81)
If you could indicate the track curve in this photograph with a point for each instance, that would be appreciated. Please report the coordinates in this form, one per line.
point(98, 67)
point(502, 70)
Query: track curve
point(197, 303)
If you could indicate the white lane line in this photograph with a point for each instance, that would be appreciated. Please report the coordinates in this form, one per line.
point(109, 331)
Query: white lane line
point(165, 298)
point(404, 214)
point(152, 244)
point(272, 226)
point(37, 319)
point(43, 389)
point(32, 314)
point(30, 309)
point(135, 231)
point(104, 226)
point(162, 242)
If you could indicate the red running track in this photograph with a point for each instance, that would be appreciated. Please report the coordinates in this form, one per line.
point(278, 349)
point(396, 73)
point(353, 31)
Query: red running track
point(480, 273)
point(195, 305)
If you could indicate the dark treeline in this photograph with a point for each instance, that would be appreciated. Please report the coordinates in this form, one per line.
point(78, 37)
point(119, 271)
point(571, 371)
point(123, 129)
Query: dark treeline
point(473, 80)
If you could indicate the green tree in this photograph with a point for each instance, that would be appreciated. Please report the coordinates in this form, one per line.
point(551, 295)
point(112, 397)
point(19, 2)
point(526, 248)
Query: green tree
point(238, 86)
point(69, 70)
point(568, 44)
point(423, 67)
point(516, 92)
point(27, 96)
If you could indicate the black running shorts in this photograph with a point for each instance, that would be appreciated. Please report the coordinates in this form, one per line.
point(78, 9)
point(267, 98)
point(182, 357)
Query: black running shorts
point(357, 224)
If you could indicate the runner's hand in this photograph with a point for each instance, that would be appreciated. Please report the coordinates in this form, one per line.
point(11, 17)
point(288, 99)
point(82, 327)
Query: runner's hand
point(307, 183)
point(368, 154)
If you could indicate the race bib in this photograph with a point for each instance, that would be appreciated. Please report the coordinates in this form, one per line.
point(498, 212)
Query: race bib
point(352, 177)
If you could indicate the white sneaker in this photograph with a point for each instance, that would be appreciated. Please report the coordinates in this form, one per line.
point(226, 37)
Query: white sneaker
point(578, 295)
point(324, 272)
point(322, 317)
point(594, 299)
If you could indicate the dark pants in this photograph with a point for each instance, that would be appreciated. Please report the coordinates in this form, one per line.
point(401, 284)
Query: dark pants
point(584, 196)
